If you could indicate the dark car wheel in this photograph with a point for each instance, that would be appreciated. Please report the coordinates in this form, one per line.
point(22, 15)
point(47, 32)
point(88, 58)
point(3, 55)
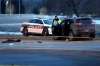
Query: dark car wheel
point(45, 32)
point(71, 36)
point(92, 35)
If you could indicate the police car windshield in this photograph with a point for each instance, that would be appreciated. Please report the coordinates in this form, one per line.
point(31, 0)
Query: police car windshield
point(48, 22)
point(84, 20)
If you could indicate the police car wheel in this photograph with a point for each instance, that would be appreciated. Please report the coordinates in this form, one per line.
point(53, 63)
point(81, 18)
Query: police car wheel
point(45, 32)
point(25, 32)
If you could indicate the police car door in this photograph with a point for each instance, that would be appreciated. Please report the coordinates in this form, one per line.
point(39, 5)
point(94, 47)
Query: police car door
point(37, 26)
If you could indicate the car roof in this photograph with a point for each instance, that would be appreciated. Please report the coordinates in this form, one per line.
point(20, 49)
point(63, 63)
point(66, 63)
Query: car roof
point(39, 19)
point(83, 18)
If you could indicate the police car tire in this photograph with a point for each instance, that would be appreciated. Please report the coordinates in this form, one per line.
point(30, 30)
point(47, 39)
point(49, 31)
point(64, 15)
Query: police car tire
point(45, 32)
point(25, 32)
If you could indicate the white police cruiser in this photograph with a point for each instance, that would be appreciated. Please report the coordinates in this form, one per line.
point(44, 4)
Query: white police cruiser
point(37, 26)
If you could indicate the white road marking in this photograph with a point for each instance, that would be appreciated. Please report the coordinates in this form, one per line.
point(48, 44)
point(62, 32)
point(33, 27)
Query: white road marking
point(11, 44)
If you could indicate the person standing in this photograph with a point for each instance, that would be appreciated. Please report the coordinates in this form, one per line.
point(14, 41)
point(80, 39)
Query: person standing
point(67, 26)
point(56, 26)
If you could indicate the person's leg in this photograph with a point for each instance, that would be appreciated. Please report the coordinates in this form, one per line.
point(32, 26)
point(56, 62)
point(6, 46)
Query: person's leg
point(62, 30)
point(55, 30)
point(59, 30)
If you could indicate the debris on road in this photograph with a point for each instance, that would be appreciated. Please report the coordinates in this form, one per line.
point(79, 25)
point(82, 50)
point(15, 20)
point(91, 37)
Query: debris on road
point(11, 40)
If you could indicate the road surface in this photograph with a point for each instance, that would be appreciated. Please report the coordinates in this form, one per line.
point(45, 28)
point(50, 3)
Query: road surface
point(51, 53)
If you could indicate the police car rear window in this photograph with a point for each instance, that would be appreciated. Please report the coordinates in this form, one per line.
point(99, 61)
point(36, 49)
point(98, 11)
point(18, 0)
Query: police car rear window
point(36, 21)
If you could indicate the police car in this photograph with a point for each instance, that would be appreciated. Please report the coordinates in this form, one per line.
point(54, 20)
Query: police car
point(37, 26)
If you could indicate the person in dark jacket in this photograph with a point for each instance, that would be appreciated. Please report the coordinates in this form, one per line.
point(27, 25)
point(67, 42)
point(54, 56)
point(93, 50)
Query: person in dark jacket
point(67, 26)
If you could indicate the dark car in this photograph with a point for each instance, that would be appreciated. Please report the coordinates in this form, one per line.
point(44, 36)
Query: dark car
point(82, 27)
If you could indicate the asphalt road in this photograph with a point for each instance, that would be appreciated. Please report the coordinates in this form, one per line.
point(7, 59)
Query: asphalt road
point(50, 53)
point(93, 45)
point(50, 57)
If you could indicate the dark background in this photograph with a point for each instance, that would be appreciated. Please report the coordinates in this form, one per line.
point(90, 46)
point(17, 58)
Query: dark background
point(60, 7)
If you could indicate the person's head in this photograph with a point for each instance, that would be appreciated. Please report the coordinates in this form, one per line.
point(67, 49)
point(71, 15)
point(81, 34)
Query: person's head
point(56, 18)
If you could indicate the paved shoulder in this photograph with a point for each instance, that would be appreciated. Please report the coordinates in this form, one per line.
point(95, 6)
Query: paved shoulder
point(60, 45)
